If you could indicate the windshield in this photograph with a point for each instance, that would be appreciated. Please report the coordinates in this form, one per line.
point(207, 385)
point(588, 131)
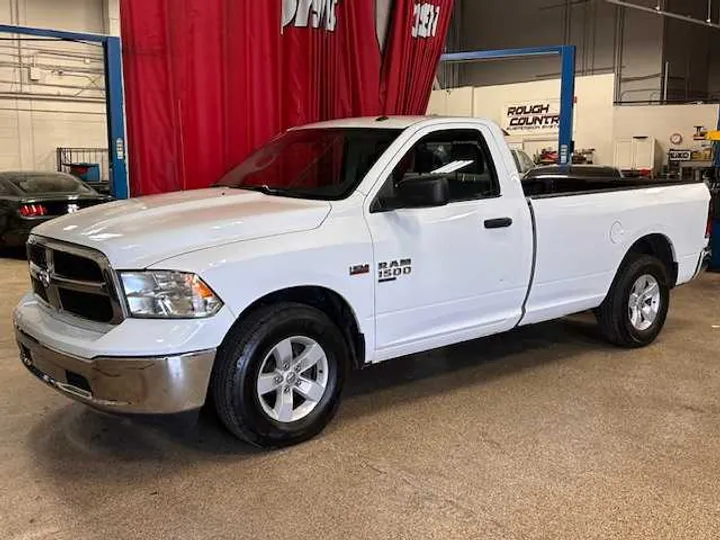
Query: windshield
point(312, 163)
point(41, 183)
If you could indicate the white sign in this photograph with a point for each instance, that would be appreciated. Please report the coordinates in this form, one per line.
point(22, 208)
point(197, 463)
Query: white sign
point(425, 20)
point(679, 155)
point(310, 13)
point(541, 117)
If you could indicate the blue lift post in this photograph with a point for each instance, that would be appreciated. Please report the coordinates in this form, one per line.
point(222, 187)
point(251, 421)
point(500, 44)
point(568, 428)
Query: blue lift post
point(567, 83)
point(715, 209)
point(113, 92)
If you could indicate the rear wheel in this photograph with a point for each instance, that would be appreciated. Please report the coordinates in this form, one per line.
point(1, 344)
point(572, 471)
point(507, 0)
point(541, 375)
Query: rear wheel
point(635, 309)
point(279, 374)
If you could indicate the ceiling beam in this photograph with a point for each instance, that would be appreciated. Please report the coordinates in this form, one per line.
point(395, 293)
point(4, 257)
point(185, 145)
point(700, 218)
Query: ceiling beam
point(663, 13)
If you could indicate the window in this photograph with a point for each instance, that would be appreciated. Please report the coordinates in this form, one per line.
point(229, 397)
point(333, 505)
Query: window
point(42, 183)
point(461, 155)
point(522, 161)
point(527, 163)
point(516, 158)
point(322, 163)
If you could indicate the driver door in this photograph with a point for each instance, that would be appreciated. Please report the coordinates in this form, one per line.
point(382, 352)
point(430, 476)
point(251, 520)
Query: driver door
point(448, 273)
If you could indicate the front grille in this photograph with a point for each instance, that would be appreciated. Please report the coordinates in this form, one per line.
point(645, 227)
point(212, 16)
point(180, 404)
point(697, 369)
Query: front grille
point(37, 255)
point(87, 305)
point(39, 289)
point(74, 280)
point(75, 267)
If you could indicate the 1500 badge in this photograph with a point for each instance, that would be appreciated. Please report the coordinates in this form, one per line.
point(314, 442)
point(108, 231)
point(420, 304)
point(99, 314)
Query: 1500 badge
point(392, 270)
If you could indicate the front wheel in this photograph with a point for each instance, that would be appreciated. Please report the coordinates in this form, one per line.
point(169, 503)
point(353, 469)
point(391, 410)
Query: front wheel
point(635, 309)
point(279, 374)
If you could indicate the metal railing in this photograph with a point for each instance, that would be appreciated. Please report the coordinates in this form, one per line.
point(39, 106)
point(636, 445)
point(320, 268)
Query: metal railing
point(69, 158)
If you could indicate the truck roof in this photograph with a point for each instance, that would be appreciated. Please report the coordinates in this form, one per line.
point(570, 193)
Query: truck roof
point(379, 122)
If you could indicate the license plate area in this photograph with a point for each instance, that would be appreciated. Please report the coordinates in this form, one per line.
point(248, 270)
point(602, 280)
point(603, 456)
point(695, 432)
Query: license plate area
point(76, 384)
point(27, 359)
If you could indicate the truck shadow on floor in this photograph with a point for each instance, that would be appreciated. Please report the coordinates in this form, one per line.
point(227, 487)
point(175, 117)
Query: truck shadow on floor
point(75, 435)
point(493, 356)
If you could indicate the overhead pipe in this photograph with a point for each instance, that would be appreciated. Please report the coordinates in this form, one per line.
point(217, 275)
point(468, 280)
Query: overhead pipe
point(63, 86)
point(618, 52)
point(659, 11)
point(28, 96)
point(53, 111)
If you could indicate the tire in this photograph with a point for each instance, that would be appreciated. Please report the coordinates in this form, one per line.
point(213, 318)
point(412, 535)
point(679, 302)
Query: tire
point(630, 327)
point(259, 345)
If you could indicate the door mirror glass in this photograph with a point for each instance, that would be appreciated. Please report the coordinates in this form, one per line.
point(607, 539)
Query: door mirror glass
point(422, 191)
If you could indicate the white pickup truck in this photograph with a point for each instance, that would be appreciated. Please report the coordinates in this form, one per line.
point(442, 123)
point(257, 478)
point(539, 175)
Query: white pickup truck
point(335, 246)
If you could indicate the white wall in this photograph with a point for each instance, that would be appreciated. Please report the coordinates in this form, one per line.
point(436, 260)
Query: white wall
point(455, 102)
point(598, 123)
point(112, 17)
point(52, 92)
point(78, 15)
point(661, 121)
point(593, 110)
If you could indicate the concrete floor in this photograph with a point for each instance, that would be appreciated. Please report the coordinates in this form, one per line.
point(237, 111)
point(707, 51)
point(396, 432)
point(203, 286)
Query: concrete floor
point(543, 433)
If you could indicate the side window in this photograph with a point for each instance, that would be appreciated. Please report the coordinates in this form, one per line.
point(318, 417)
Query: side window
point(462, 155)
point(528, 163)
point(4, 190)
point(518, 161)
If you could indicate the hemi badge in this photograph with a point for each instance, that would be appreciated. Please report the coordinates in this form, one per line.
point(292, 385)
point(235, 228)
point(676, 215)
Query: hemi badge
point(359, 269)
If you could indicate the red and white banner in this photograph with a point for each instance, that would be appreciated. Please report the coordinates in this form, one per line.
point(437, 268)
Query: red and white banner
point(415, 41)
point(208, 81)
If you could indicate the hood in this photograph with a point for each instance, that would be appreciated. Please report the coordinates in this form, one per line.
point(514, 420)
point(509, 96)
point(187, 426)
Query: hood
point(137, 233)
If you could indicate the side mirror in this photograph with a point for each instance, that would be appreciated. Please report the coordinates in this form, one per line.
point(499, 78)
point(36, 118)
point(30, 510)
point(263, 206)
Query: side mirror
point(422, 191)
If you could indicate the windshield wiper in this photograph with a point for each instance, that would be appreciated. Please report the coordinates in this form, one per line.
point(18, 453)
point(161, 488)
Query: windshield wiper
point(267, 190)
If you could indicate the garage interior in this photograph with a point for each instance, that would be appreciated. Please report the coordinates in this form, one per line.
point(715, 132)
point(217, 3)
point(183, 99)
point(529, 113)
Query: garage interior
point(546, 431)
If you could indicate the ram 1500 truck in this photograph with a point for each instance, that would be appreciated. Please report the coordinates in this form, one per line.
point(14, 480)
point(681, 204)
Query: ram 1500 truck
point(335, 246)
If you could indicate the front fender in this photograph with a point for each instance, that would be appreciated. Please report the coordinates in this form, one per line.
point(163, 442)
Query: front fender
point(244, 272)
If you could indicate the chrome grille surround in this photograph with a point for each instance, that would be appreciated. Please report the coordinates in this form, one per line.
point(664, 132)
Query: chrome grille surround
point(41, 254)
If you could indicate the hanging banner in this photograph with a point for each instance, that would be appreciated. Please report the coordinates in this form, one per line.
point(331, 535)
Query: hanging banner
point(538, 117)
point(415, 40)
point(209, 81)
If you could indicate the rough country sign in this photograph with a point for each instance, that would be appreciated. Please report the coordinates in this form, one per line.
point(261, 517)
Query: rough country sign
point(310, 13)
point(532, 117)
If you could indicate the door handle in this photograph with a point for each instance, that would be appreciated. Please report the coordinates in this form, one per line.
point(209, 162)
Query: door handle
point(498, 223)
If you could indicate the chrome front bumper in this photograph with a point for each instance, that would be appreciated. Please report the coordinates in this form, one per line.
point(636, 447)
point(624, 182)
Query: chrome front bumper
point(154, 385)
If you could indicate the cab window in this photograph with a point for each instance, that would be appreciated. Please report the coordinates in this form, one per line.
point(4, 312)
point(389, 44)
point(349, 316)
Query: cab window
point(461, 155)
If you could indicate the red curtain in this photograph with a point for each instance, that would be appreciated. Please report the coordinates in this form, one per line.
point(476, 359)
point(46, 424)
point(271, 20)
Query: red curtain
point(416, 39)
point(208, 81)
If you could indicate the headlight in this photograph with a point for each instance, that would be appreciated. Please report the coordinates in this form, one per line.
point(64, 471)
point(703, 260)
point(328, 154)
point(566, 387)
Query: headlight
point(166, 294)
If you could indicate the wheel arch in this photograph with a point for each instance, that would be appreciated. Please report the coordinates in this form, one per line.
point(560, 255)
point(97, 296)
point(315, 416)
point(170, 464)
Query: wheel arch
point(330, 302)
point(659, 246)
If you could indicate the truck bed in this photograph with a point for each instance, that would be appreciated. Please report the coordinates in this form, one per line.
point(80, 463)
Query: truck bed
point(584, 227)
point(551, 186)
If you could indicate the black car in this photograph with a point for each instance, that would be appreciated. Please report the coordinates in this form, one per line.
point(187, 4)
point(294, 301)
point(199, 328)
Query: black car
point(30, 198)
